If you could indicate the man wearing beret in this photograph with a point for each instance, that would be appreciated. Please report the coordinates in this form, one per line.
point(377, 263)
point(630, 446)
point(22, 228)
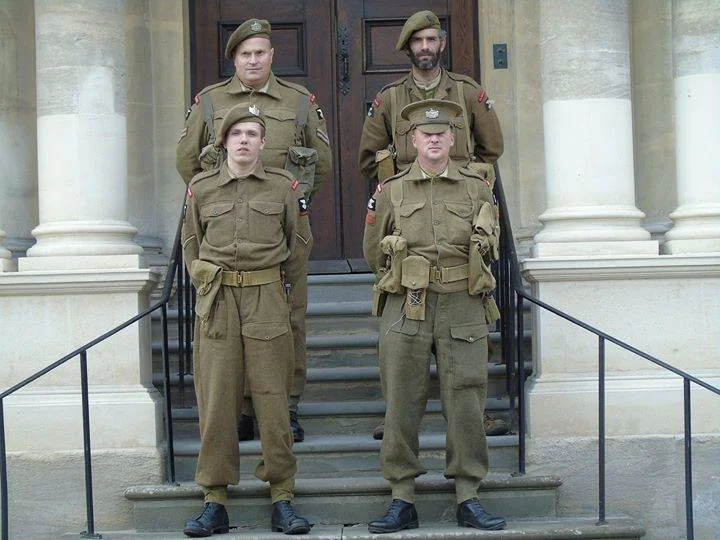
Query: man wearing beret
point(245, 239)
point(296, 131)
point(386, 138)
point(431, 235)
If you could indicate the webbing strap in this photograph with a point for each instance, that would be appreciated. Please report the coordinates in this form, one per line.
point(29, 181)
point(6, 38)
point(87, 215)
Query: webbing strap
point(466, 118)
point(208, 114)
point(393, 113)
point(301, 119)
point(396, 197)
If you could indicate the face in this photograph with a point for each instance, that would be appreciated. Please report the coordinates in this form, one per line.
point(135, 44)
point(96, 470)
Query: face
point(244, 141)
point(424, 48)
point(433, 148)
point(253, 60)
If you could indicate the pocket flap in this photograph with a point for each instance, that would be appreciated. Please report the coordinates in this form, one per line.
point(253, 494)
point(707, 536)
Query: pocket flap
point(408, 209)
point(403, 127)
point(280, 114)
point(264, 330)
point(460, 209)
point(216, 209)
point(302, 155)
point(267, 207)
point(485, 219)
point(470, 332)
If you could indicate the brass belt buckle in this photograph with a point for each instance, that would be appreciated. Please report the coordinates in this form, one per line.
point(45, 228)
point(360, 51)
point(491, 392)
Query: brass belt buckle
point(438, 274)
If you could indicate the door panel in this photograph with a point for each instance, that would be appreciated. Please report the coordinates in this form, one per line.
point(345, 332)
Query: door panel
point(344, 52)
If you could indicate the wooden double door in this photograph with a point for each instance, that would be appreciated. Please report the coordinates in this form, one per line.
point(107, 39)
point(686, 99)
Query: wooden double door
point(344, 52)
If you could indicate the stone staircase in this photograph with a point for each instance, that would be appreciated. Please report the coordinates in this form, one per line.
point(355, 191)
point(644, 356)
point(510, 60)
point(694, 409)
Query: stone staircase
point(339, 486)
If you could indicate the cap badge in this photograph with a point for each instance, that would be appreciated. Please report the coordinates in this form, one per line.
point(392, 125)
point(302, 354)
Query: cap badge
point(429, 19)
point(253, 109)
point(255, 27)
point(432, 114)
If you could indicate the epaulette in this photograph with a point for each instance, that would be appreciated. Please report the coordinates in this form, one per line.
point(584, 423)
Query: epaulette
point(288, 84)
point(462, 78)
point(204, 174)
point(469, 172)
point(397, 175)
point(213, 86)
point(282, 172)
point(398, 82)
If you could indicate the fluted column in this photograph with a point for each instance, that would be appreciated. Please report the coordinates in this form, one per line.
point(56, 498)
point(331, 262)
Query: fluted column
point(82, 136)
point(587, 119)
point(18, 155)
point(696, 62)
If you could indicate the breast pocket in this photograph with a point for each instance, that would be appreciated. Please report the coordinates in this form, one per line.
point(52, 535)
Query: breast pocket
point(403, 142)
point(412, 222)
point(279, 135)
point(459, 221)
point(266, 219)
point(219, 222)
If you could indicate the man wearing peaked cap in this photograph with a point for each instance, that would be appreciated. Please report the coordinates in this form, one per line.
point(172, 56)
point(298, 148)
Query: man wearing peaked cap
point(245, 238)
point(385, 145)
point(301, 146)
point(431, 236)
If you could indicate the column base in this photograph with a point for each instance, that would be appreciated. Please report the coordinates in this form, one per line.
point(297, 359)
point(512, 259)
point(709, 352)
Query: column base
point(80, 262)
point(83, 238)
point(595, 249)
point(8, 265)
point(696, 230)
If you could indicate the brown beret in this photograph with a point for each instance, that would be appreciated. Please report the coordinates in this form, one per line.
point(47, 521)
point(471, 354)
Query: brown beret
point(250, 28)
point(431, 115)
point(244, 112)
point(418, 21)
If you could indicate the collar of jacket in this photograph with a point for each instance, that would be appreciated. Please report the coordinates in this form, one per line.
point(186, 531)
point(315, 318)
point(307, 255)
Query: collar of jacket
point(442, 91)
point(236, 87)
point(416, 172)
point(226, 176)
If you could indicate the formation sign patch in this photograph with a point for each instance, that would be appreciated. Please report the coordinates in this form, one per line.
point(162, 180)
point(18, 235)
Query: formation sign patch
point(302, 206)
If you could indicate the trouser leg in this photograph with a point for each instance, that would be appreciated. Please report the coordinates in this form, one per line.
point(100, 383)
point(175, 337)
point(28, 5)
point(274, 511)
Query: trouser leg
point(219, 382)
point(404, 352)
point(297, 323)
point(462, 366)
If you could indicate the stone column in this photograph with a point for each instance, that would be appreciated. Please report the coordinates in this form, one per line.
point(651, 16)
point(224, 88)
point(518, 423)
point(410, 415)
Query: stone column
point(696, 62)
point(18, 174)
point(587, 117)
point(82, 137)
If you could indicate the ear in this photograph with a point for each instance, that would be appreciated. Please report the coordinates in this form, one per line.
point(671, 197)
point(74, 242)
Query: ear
point(443, 44)
point(452, 138)
point(262, 143)
point(412, 139)
point(272, 53)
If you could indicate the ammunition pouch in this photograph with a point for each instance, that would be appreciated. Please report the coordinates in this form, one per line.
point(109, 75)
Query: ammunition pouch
point(484, 249)
point(211, 157)
point(486, 170)
point(415, 279)
point(207, 278)
point(395, 247)
point(492, 313)
point(301, 162)
point(385, 164)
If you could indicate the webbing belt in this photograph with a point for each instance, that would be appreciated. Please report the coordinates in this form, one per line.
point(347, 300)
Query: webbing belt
point(250, 278)
point(442, 274)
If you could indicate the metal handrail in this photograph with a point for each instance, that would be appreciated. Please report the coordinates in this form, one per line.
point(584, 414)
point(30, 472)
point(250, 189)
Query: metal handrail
point(174, 265)
point(509, 269)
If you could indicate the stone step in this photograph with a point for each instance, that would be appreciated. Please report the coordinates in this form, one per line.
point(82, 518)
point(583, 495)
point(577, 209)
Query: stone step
point(518, 529)
point(349, 500)
point(338, 456)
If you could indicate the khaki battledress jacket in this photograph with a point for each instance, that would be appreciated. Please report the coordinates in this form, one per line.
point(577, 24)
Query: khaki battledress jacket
point(481, 123)
point(279, 102)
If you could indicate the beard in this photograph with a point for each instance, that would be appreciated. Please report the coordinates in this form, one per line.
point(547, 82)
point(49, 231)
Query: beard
point(425, 65)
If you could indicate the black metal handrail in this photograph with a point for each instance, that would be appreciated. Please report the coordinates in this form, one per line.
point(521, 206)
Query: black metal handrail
point(512, 296)
point(175, 269)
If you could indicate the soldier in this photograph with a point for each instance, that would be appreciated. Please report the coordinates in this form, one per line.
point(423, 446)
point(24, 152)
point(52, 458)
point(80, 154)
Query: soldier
point(431, 233)
point(245, 239)
point(297, 140)
point(386, 147)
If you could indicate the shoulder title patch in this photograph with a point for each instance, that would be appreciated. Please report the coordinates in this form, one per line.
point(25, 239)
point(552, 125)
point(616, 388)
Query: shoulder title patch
point(313, 99)
point(197, 99)
point(294, 185)
point(189, 193)
point(482, 96)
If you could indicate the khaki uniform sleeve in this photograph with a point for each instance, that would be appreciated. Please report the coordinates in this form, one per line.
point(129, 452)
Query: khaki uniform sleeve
point(485, 126)
point(191, 234)
point(376, 135)
point(378, 224)
point(299, 239)
point(193, 138)
point(317, 137)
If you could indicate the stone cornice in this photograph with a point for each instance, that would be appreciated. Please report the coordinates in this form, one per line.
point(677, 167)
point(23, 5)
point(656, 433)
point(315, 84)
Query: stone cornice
point(621, 268)
point(42, 283)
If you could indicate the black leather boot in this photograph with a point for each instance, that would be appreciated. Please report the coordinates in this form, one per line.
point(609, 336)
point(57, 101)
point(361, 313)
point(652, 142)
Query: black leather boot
point(285, 520)
point(471, 514)
point(297, 430)
point(379, 431)
point(246, 428)
point(400, 515)
point(213, 520)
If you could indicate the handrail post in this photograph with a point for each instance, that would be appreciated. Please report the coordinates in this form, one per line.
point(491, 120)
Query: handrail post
point(90, 533)
point(168, 403)
point(520, 383)
point(601, 431)
point(3, 475)
point(688, 462)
